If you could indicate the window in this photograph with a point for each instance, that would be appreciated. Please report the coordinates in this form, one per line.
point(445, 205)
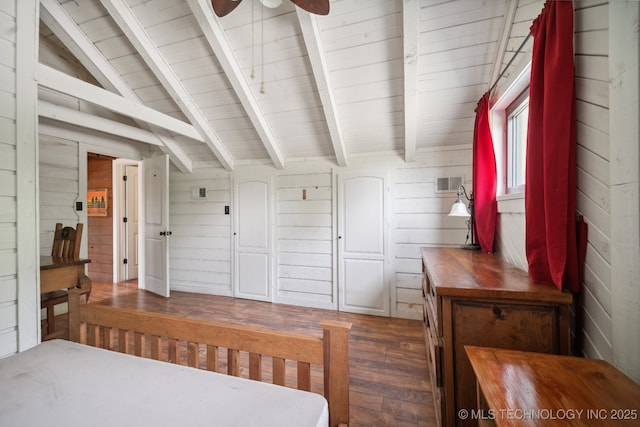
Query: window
point(509, 123)
point(516, 142)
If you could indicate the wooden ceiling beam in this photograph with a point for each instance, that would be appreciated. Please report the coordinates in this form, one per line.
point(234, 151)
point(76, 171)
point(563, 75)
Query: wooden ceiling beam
point(91, 121)
point(410, 17)
point(321, 74)
point(218, 42)
point(74, 39)
point(133, 30)
point(507, 24)
point(60, 82)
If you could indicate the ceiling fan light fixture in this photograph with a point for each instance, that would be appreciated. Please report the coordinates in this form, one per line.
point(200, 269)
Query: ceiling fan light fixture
point(318, 7)
point(272, 4)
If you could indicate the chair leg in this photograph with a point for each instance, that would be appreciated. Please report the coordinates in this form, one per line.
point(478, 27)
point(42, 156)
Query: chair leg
point(51, 321)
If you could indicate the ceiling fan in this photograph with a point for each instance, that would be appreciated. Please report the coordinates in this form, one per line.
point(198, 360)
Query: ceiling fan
point(318, 7)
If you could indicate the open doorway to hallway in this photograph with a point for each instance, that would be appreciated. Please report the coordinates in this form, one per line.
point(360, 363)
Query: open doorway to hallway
point(112, 234)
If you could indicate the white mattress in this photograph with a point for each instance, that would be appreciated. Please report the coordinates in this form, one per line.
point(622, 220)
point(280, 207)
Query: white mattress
point(60, 383)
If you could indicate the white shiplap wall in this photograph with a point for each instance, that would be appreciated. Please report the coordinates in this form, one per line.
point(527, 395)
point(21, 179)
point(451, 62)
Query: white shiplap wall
point(592, 111)
point(8, 197)
point(58, 187)
point(305, 239)
point(592, 49)
point(200, 246)
point(419, 218)
point(201, 251)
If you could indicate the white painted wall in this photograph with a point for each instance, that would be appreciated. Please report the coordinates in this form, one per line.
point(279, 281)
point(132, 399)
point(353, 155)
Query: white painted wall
point(200, 246)
point(624, 155)
point(606, 49)
point(201, 259)
point(19, 292)
point(8, 188)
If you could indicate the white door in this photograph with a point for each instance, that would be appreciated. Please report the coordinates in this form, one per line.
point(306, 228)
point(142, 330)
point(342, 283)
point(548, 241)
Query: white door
point(155, 193)
point(131, 225)
point(253, 253)
point(362, 242)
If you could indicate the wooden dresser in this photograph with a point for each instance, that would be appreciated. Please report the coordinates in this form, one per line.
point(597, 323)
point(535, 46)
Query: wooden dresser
point(519, 388)
point(472, 298)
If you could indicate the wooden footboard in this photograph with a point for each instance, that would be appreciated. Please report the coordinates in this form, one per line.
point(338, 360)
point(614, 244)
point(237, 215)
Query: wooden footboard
point(197, 343)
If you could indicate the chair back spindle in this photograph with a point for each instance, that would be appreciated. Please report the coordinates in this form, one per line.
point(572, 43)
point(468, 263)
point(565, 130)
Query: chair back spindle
point(66, 241)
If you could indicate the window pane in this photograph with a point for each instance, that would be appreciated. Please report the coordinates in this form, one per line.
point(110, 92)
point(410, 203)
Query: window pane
point(517, 122)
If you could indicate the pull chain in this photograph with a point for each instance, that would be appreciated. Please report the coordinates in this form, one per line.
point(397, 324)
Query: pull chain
point(253, 39)
point(262, 50)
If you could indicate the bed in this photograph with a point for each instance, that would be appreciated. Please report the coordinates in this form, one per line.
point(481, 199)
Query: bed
point(72, 383)
point(62, 383)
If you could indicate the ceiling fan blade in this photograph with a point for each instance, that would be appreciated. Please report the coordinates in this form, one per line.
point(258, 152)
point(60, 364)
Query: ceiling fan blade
point(318, 7)
point(224, 7)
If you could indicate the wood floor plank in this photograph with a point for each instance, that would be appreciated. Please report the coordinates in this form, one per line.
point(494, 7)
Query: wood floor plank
point(389, 380)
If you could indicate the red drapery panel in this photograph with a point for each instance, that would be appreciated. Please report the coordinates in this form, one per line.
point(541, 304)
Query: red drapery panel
point(484, 178)
point(550, 191)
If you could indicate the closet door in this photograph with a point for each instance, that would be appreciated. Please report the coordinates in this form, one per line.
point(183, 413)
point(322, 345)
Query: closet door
point(362, 242)
point(155, 193)
point(253, 237)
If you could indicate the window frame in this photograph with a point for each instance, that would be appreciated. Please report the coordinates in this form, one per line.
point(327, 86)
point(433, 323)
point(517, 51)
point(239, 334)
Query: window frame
point(513, 110)
point(518, 85)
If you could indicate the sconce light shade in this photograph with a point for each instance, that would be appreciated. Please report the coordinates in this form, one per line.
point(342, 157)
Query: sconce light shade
point(459, 209)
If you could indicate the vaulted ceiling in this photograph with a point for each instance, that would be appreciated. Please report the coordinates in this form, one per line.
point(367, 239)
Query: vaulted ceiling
point(277, 85)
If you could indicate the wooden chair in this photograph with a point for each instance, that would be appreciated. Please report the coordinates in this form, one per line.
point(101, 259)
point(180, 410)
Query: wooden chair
point(66, 244)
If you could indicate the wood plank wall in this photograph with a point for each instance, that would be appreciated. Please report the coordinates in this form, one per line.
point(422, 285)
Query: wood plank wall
point(201, 243)
point(58, 187)
point(592, 107)
point(8, 188)
point(594, 190)
point(100, 229)
point(200, 246)
point(305, 239)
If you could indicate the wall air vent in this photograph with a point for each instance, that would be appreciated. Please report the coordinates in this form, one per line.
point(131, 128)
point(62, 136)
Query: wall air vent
point(448, 184)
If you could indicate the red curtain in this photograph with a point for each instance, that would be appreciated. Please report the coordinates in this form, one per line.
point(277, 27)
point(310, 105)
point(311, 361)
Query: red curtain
point(484, 178)
point(550, 190)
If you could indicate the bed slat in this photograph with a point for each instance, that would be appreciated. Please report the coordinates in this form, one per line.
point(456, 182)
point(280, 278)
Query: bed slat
point(278, 371)
point(212, 358)
point(304, 376)
point(255, 366)
point(233, 362)
point(193, 354)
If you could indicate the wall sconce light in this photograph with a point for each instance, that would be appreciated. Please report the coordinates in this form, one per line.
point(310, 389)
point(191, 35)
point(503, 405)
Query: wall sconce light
point(459, 208)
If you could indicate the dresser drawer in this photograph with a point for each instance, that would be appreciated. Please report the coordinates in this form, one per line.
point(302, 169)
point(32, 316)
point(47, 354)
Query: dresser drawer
point(434, 351)
point(433, 302)
point(434, 360)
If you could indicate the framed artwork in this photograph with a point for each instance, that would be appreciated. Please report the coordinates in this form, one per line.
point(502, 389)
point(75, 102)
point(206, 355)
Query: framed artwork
point(97, 202)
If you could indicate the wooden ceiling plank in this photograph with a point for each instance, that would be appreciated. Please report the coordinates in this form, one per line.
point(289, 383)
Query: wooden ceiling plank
point(63, 26)
point(131, 27)
point(317, 58)
point(215, 35)
point(410, 14)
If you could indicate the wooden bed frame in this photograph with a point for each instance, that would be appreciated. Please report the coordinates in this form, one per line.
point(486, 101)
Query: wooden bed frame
point(196, 343)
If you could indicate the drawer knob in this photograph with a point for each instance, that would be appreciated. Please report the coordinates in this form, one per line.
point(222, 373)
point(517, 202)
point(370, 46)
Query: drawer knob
point(497, 311)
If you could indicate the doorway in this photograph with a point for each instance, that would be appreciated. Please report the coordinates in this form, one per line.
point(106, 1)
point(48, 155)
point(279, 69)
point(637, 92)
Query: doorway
point(112, 238)
point(128, 219)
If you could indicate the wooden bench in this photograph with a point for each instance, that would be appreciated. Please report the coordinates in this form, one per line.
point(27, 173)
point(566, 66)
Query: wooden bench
point(198, 343)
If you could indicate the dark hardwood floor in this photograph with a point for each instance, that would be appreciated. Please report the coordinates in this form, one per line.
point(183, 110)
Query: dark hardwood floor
point(389, 381)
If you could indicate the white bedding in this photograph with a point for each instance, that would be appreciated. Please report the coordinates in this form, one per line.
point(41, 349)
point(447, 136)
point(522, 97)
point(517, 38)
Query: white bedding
point(60, 383)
